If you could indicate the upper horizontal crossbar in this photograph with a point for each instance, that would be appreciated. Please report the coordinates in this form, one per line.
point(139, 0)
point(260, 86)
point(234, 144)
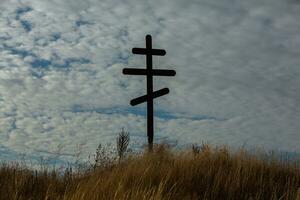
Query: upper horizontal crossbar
point(144, 51)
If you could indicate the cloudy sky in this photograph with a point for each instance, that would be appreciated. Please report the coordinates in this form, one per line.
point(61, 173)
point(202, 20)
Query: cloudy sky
point(61, 81)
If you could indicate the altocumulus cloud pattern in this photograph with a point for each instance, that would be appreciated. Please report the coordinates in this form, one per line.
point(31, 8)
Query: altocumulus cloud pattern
point(61, 76)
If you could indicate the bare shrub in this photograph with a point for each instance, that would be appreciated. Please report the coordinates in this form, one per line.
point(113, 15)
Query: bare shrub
point(104, 156)
point(122, 143)
point(196, 149)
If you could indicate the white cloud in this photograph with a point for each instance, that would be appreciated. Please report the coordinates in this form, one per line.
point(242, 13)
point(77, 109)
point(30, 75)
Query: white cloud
point(236, 62)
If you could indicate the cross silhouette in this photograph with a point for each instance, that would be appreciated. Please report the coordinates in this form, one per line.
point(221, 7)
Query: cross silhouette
point(149, 72)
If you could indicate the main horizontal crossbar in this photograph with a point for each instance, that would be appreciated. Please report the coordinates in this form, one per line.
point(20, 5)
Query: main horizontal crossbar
point(144, 98)
point(144, 51)
point(154, 72)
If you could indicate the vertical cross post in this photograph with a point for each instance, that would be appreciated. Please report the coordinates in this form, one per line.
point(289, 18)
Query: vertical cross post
point(149, 73)
point(150, 121)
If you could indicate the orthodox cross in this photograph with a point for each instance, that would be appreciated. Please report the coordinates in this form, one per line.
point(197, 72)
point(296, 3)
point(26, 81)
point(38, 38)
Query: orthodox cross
point(149, 72)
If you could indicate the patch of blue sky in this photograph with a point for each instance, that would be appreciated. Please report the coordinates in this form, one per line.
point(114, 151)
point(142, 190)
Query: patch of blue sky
point(69, 61)
point(21, 11)
point(46, 64)
point(36, 65)
point(67, 64)
point(282, 156)
point(7, 154)
point(37, 73)
point(124, 56)
point(123, 35)
point(81, 22)
point(49, 152)
point(140, 111)
point(40, 63)
point(48, 160)
point(7, 114)
point(55, 37)
point(115, 110)
point(288, 156)
point(13, 126)
point(26, 25)
point(121, 57)
point(20, 52)
point(5, 36)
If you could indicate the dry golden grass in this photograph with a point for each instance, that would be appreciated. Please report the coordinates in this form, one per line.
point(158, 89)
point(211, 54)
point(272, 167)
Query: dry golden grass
point(203, 173)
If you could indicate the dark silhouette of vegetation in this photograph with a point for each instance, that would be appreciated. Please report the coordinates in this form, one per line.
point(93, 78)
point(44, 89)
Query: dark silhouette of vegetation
point(122, 143)
point(103, 157)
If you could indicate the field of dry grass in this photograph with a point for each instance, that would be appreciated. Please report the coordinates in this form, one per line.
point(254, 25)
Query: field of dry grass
point(197, 173)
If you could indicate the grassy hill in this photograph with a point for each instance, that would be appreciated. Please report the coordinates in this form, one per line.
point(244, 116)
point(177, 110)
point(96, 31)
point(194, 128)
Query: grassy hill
point(197, 173)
